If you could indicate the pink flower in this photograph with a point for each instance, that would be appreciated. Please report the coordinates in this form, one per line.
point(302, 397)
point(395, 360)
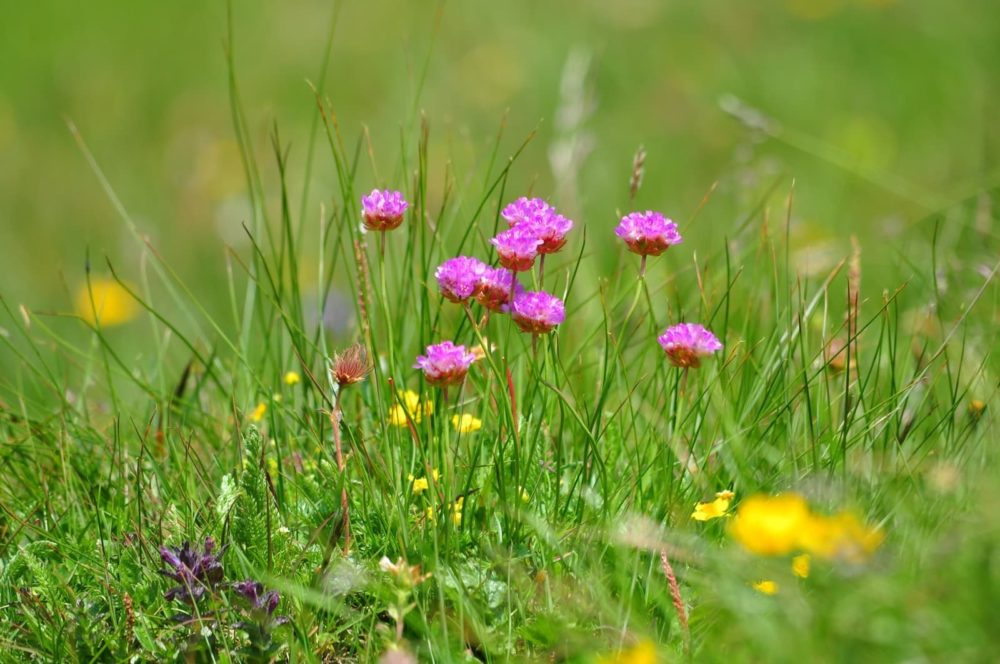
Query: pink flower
point(537, 312)
point(517, 247)
point(445, 363)
point(686, 343)
point(495, 286)
point(648, 233)
point(459, 277)
point(552, 229)
point(534, 213)
point(526, 210)
point(383, 210)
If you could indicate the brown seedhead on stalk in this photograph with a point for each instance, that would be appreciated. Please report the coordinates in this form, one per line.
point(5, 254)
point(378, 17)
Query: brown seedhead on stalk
point(351, 366)
point(638, 168)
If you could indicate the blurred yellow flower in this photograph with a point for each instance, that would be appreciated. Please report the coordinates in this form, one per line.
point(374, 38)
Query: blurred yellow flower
point(431, 514)
point(258, 413)
point(525, 496)
point(766, 586)
point(456, 511)
point(272, 465)
point(466, 423)
point(111, 302)
point(643, 652)
point(801, 565)
point(420, 485)
point(715, 509)
point(397, 416)
point(842, 536)
point(292, 378)
point(770, 525)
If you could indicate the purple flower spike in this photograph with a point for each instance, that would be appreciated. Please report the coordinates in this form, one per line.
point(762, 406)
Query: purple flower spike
point(195, 571)
point(537, 312)
point(253, 592)
point(494, 288)
point(648, 233)
point(687, 343)
point(527, 210)
point(517, 247)
point(552, 229)
point(459, 278)
point(445, 363)
point(383, 210)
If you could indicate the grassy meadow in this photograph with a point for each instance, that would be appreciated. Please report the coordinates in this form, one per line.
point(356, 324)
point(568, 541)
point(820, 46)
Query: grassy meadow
point(217, 444)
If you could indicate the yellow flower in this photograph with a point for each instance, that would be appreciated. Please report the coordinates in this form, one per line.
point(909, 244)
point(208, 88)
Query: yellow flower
point(643, 652)
point(525, 496)
point(258, 413)
point(842, 536)
point(766, 586)
point(715, 509)
point(111, 302)
point(420, 484)
point(456, 511)
point(292, 378)
point(411, 400)
point(431, 514)
point(801, 565)
point(272, 465)
point(770, 525)
point(466, 423)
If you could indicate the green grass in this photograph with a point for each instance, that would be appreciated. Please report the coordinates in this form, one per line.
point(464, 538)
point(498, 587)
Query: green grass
point(593, 453)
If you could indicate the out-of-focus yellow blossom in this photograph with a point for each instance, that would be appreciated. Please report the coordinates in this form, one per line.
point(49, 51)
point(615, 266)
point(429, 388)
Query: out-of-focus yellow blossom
point(525, 496)
point(258, 413)
point(111, 302)
point(456, 511)
point(801, 565)
point(770, 525)
point(715, 509)
point(416, 410)
point(643, 652)
point(842, 536)
point(766, 586)
point(466, 423)
point(292, 378)
point(272, 465)
point(431, 514)
point(420, 485)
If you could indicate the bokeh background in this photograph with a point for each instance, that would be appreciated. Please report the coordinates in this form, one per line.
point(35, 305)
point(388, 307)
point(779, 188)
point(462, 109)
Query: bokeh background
point(884, 111)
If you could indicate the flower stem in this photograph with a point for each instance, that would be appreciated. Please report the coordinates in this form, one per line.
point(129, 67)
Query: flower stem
point(345, 507)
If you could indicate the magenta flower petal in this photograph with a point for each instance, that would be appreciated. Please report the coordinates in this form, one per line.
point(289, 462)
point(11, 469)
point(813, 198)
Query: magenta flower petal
point(537, 312)
point(552, 229)
point(526, 209)
point(687, 343)
point(383, 210)
point(495, 287)
point(459, 278)
point(517, 247)
point(648, 233)
point(445, 363)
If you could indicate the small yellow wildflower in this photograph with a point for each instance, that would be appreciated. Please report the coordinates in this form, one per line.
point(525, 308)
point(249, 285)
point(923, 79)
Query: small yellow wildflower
point(431, 514)
point(411, 400)
point(111, 302)
point(456, 511)
point(976, 409)
point(258, 413)
point(770, 525)
point(643, 652)
point(420, 484)
point(801, 565)
point(525, 496)
point(715, 509)
point(466, 423)
point(766, 586)
point(272, 465)
point(292, 378)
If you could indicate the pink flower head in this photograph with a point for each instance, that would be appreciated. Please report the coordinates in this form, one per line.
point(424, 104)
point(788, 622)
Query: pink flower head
point(495, 286)
point(459, 277)
point(537, 312)
point(526, 209)
point(552, 229)
point(445, 363)
point(383, 210)
point(686, 343)
point(517, 247)
point(648, 233)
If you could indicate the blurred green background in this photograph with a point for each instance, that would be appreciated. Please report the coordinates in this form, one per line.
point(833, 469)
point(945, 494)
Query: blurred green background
point(885, 112)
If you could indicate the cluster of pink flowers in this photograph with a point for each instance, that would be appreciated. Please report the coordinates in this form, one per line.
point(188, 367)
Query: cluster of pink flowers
point(535, 229)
